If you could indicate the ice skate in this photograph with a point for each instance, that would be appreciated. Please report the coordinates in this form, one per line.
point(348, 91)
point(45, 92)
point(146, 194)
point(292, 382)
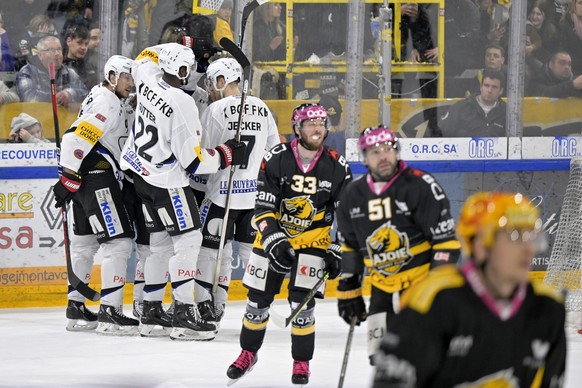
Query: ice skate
point(242, 365)
point(80, 318)
point(137, 309)
point(211, 314)
point(300, 373)
point(170, 310)
point(112, 321)
point(188, 326)
point(154, 321)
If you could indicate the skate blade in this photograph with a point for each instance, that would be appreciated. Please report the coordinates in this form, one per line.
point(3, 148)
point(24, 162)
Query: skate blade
point(81, 325)
point(111, 329)
point(154, 331)
point(183, 334)
point(232, 381)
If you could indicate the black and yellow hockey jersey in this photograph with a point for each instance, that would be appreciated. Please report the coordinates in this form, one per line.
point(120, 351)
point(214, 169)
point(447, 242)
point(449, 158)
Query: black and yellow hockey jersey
point(449, 334)
point(301, 198)
point(399, 230)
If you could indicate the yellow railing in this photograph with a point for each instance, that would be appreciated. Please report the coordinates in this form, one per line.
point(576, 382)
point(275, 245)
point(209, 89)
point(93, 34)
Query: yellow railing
point(289, 67)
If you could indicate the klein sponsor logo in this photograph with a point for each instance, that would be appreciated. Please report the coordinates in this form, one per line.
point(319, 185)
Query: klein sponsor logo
point(100, 117)
point(178, 208)
point(183, 217)
point(109, 212)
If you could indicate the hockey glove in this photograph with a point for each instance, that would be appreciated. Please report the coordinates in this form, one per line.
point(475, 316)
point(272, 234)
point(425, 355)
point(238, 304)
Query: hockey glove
point(349, 300)
point(333, 261)
point(280, 252)
point(231, 153)
point(64, 189)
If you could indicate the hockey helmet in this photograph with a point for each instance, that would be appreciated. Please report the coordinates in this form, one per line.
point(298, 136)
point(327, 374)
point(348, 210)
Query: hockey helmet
point(372, 136)
point(117, 64)
point(489, 212)
point(228, 68)
point(307, 112)
point(173, 56)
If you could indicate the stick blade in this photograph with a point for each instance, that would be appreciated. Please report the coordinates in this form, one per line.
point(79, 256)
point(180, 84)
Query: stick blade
point(235, 51)
point(277, 319)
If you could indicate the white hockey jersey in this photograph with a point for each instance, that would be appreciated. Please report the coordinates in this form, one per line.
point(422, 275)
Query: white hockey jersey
point(103, 118)
point(165, 140)
point(259, 132)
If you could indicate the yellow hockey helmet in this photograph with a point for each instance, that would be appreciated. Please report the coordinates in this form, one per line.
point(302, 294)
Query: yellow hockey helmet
point(491, 212)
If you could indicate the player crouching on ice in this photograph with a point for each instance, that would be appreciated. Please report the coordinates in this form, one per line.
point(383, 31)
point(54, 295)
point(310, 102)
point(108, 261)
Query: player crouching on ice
point(484, 324)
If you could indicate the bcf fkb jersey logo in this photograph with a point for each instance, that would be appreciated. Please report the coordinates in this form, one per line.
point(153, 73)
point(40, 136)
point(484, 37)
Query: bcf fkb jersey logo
point(388, 249)
point(296, 215)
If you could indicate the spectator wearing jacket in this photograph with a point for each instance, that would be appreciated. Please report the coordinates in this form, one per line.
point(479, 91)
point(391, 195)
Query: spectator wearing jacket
point(480, 115)
point(556, 79)
point(33, 82)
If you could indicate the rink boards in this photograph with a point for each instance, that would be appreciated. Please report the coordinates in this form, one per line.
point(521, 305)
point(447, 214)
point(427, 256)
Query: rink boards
point(32, 265)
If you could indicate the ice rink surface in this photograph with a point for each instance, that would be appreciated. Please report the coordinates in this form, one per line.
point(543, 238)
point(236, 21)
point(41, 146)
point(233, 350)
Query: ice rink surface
point(37, 351)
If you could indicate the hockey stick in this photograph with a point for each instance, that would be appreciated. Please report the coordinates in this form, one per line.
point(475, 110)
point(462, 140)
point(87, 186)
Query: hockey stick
point(247, 10)
point(347, 352)
point(75, 282)
point(237, 53)
point(284, 322)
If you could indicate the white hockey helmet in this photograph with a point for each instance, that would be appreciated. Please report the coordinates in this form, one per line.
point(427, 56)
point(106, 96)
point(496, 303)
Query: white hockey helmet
point(173, 56)
point(117, 64)
point(228, 68)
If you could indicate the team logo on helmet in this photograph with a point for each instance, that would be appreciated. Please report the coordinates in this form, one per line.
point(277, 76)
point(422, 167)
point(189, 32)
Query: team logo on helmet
point(388, 249)
point(296, 215)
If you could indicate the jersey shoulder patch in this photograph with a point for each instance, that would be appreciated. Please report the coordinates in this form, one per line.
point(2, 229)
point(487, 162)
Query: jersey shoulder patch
point(543, 289)
point(421, 296)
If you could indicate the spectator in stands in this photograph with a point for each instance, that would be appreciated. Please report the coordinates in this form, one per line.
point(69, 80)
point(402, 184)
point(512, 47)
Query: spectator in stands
point(92, 57)
point(494, 60)
point(26, 41)
point(77, 44)
point(222, 22)
point(481, 115)
point(546, 30)
point(26, 129)
point(269, 33)
point(6, 57)
point(336, 137)
point(7, 95)
point(33, 83)
point(571, 34)
point(555, 79)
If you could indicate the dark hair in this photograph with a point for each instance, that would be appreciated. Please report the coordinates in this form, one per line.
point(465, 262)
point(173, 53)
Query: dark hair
point(493, 74)
point(495, 46)
point(77, 31)
point(556, 53)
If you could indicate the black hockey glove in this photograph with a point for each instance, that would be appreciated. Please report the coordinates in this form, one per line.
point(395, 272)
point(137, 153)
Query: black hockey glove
point(280, 251)
point(349, 300)
point(333, 261)
point(64, 189)
point(231, 153)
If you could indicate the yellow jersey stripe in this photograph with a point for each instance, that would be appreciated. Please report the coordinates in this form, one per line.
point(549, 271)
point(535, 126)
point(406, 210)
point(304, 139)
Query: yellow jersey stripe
point(254, 326)
point(422, 295)
point(451, 244)
point(303, 331)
